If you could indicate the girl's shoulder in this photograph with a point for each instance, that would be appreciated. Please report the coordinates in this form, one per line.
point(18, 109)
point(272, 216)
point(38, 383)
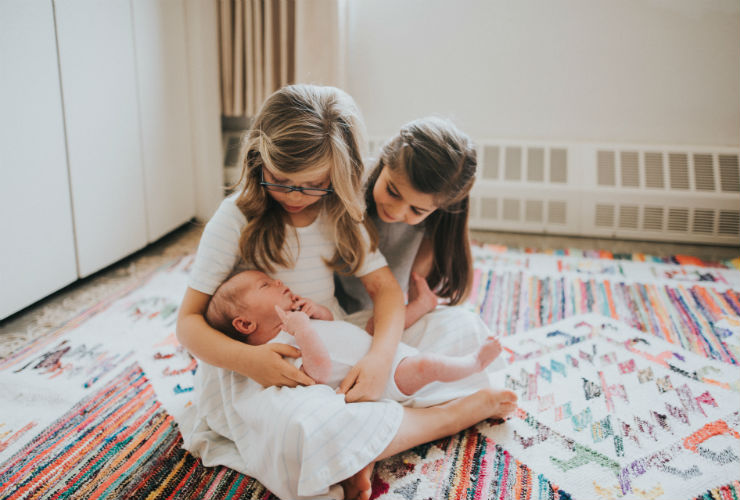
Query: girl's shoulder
point(229, 213)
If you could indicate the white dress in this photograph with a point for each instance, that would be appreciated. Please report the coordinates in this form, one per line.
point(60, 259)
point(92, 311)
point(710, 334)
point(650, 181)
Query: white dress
point(297, 442)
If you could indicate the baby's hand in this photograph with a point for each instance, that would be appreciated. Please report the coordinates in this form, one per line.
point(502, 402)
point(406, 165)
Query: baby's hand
point(293, 321)
point(311, 308)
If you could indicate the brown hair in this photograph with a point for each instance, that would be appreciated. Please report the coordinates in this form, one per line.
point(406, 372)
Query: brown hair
point(437, 159)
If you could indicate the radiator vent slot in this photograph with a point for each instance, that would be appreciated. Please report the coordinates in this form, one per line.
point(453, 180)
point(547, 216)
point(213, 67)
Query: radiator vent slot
point(533, 211)
point(490, 159)
point(678, 167)
point(605, 168)
point(678, 219)
point(729, 173)
point(511, 209)
point(729, 223)
point(628, 216)
point(604, 216)
point(489, 208)
point(703, 221)
point(648, 192)
point(513, 164)
point(556, 212)
point(630, 168)
point(535, 165)
point(652, 218)
point(703, 172)
point(654, 170)
point(558, 165)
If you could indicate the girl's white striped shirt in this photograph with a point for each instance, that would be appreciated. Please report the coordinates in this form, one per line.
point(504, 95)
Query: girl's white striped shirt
point(218, 256)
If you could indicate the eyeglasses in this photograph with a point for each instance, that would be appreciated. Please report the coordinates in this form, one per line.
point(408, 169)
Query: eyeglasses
point(279, 188)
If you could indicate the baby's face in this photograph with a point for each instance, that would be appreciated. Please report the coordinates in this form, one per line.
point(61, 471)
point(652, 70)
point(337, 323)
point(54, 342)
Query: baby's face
point(263, 293)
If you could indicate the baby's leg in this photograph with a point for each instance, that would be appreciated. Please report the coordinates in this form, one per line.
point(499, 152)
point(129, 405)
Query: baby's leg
point(414, 372)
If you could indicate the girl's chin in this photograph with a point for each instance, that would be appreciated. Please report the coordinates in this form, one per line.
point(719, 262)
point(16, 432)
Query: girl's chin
point(291, 209)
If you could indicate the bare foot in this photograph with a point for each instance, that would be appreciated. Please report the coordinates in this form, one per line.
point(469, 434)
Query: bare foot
point(489, 351)
point(359, 486)
point(501, 403)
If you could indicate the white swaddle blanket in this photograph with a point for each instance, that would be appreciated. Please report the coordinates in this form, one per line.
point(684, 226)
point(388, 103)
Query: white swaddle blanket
point(299, 442)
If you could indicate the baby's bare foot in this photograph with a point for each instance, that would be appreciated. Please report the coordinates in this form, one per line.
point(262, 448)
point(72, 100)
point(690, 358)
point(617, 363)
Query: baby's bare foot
point(489, 351)
point(359, 486)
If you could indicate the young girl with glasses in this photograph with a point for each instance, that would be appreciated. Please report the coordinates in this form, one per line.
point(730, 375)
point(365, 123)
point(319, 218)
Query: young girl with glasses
point(298, 217)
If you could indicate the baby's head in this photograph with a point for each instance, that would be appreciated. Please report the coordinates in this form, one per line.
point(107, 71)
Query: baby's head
point(243, 307)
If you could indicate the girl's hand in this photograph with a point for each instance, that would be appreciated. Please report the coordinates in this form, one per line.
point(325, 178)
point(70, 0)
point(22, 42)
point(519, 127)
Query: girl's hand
point(420, 295)
point(268, 368)
point(366, 380)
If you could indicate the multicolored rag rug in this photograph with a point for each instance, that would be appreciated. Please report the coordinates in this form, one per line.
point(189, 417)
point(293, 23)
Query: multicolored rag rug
point(626, 370)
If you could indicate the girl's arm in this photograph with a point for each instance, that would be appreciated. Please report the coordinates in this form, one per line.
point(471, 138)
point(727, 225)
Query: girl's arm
point(424, 258)
point(264, 363)
point(421, 299)
point(367, 379)
point(424, 300)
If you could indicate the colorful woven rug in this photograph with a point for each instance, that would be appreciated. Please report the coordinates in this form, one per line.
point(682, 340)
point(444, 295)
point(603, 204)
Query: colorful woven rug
point(606, 410)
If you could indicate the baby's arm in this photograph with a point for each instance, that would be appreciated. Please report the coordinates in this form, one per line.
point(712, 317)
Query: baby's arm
point(316, 360)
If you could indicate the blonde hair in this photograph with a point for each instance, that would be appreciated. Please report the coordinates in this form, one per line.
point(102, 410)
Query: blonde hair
point(300, 128)
point(439, 159)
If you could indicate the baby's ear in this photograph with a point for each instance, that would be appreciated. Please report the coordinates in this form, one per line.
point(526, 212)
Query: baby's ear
point(243, 325)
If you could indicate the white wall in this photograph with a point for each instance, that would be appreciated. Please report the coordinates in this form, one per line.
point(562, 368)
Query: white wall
point(635, 71)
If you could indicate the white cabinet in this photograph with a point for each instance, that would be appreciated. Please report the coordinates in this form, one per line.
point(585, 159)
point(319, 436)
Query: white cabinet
point(165, 110)
point(98, 150)
point(98, 68)
point(37, 253)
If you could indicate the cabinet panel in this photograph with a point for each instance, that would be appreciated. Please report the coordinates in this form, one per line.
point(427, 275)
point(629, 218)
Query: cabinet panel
point(37, 254)
point(98, 72)
point(162, 69)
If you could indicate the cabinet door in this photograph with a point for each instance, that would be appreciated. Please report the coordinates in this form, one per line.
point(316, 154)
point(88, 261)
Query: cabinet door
point(98, 72)
point(161, 62)
point(37, 250)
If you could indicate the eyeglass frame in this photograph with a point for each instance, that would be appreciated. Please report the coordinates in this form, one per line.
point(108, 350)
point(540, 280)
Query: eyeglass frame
point(289, 189)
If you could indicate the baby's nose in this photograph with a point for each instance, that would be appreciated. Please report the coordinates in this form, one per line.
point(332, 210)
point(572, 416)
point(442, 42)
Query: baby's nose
point(278, 283)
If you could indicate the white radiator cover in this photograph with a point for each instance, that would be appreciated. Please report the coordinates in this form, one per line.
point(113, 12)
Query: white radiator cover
point(625, 191)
